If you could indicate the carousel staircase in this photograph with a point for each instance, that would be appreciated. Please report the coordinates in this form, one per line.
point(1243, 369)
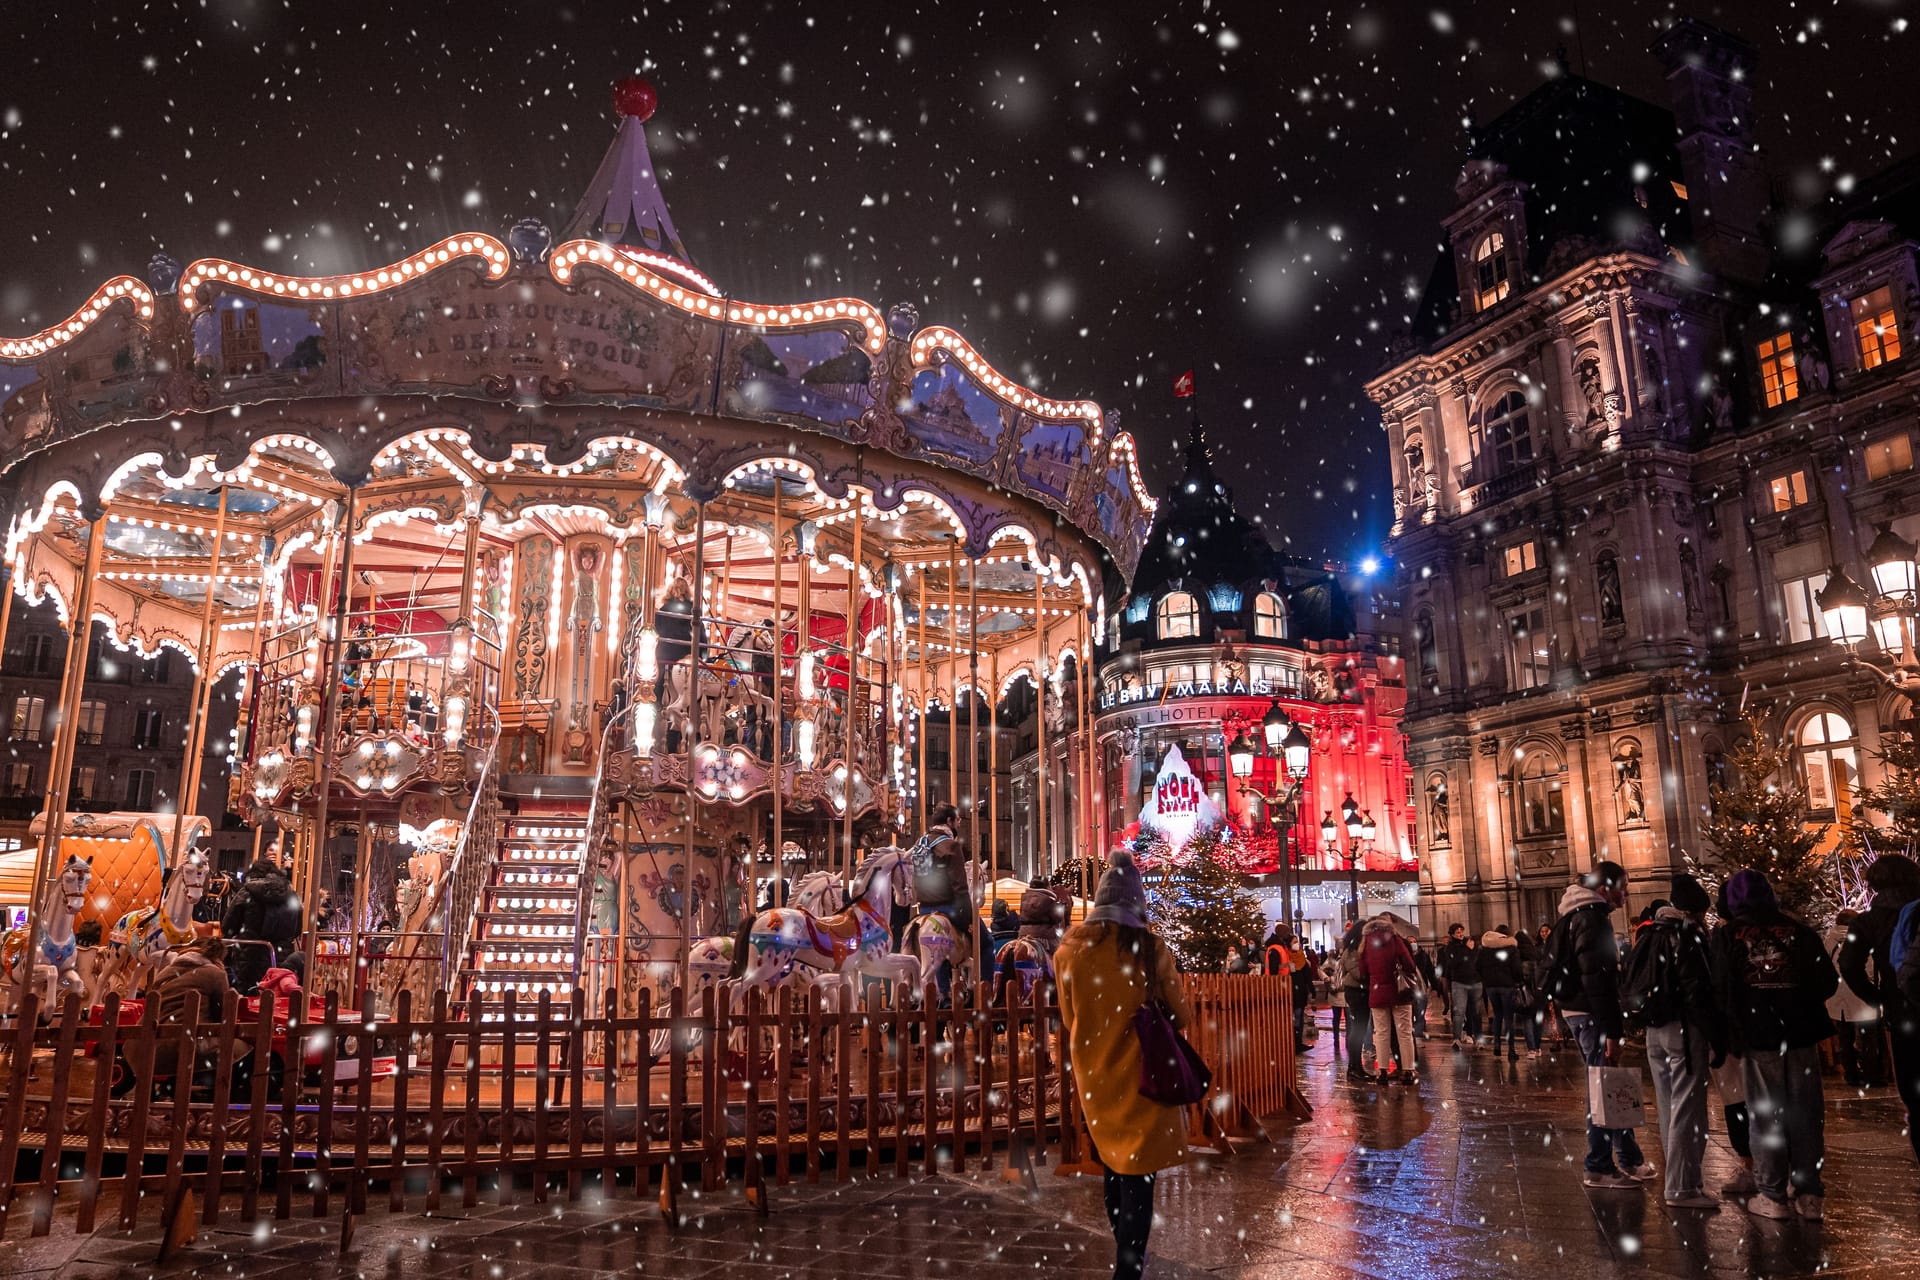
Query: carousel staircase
point(524, 922)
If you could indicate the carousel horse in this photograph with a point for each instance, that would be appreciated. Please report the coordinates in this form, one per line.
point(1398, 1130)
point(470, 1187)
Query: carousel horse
point(1028, 956)
point(55, 951)
point(786, 942)
point(711, 959)
point(137, 946)
point(934, 939)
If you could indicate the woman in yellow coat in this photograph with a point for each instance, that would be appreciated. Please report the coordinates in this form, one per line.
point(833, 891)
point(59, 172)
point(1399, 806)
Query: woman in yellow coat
point(1108, 967)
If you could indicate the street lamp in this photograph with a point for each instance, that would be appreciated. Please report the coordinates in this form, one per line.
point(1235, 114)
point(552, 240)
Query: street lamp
point(1288, 744)
point(1889, 612)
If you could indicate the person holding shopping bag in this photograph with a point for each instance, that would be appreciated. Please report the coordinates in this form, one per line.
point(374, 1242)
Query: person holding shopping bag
point(1109, 967)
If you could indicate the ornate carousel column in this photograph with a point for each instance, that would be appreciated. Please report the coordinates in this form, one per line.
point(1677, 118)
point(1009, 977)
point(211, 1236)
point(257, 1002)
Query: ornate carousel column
point(850, 751)
point(973, 715)
point(73, 682)
point(776, 843)
point(1043, 853)
point(188, 799)
point(340, 599)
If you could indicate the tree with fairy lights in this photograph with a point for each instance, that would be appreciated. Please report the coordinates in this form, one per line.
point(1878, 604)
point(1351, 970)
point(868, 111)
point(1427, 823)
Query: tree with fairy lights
point(1198, 897)
point(1759, 821)
point(1896, 801)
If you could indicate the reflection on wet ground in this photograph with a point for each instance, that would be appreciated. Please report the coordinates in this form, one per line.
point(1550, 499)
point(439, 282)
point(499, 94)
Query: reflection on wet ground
point(1476, 1173)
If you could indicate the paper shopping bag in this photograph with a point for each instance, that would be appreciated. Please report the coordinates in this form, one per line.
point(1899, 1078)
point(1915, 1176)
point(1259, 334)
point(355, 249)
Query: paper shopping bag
point(1613, 1097)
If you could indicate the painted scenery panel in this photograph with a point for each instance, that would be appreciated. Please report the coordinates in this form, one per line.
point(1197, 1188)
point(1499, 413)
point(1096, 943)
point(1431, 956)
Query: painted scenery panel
point(1050, 454)
point(238, 341)
point(953, 418)
point(26, 415)
point(812, 376)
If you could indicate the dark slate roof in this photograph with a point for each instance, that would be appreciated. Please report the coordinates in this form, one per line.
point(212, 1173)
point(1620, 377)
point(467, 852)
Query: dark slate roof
point(1578, 145)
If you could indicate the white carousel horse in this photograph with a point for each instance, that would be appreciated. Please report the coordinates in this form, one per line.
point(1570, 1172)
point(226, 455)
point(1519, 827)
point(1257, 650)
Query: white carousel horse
point(711, 960)
point(137, 946)
point(790, 941)
point(935, 940)
point(54, 953)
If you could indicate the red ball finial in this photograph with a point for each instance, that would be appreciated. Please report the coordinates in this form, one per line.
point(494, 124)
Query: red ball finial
point(633, 96)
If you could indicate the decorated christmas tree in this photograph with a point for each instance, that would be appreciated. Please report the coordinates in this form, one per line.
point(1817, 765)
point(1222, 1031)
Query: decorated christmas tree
point(1887, 819)
point(1200, 903)
point(1759, 821)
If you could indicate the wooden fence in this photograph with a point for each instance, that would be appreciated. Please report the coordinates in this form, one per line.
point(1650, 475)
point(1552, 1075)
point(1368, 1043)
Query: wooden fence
point(420, 1108)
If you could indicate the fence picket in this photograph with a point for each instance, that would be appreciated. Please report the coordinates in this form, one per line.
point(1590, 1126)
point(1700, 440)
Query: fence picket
point(219, 1116)
point(140, 1063)
point(404, 1049)
point(105, 1051)
point(56, 1126)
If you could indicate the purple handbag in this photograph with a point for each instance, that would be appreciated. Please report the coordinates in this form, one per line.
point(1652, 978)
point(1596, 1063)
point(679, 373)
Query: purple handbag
point(1171, 1070)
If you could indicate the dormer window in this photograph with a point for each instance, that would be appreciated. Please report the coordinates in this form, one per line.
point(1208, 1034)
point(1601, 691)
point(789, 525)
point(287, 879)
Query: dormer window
point(1179, 616)
point(1269, 616)
point(1490, 270)
point(1779, 374)
point(1875, 327)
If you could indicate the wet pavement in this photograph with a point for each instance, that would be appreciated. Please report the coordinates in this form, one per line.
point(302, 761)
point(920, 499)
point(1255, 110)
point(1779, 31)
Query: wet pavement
point(1475, 1173)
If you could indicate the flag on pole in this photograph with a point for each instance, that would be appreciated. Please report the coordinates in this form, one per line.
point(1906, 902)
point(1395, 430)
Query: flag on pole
point(1183, 385)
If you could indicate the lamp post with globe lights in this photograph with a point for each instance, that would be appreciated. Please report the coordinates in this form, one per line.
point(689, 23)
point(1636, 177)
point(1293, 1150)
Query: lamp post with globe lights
point(1287, 743)
point(1889, 612)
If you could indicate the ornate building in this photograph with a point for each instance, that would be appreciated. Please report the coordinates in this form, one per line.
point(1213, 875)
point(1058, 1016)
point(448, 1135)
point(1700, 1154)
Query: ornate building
point(1641, 414)
point(1219, 633)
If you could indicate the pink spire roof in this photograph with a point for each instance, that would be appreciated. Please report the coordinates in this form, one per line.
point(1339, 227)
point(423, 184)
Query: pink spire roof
point(623, 203)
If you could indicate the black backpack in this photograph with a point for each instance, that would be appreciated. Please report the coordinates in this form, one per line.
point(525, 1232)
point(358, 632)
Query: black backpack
point(1651, 987)
point(1560, 973)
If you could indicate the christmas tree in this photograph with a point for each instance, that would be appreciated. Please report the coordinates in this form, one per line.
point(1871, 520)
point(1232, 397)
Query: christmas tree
point(1897, 799)
point(1200, 904)
point(1759, 821)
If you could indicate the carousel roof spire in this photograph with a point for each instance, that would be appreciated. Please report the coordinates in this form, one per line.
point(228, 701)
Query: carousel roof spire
point(623, 204)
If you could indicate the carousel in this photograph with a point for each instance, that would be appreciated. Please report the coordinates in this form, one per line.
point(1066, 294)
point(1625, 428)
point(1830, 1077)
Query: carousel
point(577, 607)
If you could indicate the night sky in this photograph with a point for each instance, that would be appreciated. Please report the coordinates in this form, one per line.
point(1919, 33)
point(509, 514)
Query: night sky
point(1098, 196)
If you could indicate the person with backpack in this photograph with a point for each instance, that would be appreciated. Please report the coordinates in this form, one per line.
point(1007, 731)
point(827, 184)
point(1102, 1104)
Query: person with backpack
point(1336, 995)
point(1730, 1078)
point(1583, 978)
point(1869, 960)
point(1773, 978)
point(1502, 971)
point(1669, 985)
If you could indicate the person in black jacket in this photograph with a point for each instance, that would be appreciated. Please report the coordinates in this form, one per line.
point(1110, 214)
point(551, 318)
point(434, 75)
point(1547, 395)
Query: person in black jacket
point(1502, 972)
point(1686, 1036)
point(1461, 968)
point(262, 909)
point(1866, 962)
point(1773, 977)
point(1589, 950)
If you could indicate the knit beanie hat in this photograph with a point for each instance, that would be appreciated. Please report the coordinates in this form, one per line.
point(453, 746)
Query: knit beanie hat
point(1690, 896)
point(1122, 897)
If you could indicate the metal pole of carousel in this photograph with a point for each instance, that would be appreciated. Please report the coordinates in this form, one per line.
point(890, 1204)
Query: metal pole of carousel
point(775, 842)
point(953, 673)
point(849, 750)
point(1083, 757)
point(73, 681)
point(188, 799)
point(249, 692)
point(973, 721)
point(695, 654)
point(993, 766)
point(920, 790)
point(6, 601)
point(1043, 854)
point(329, 733)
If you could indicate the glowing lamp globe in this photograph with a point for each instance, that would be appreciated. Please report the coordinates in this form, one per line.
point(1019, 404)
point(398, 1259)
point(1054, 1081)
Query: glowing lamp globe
point(634, 96)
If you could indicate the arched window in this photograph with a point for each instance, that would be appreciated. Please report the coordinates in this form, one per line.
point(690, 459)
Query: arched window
point(1490, 270)
point(1543, 809)
point(1179, 616)
point(1829, 760)
point(1269, 616)
point(1508, 435)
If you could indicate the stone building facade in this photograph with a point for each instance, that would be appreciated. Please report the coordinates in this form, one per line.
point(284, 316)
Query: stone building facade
point(1642, 412)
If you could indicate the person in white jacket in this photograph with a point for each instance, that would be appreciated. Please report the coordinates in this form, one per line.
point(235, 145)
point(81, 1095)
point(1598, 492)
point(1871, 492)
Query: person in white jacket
point(1856, 1021)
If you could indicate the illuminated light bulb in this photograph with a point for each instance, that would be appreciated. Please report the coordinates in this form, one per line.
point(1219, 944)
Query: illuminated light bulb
point(803, 742)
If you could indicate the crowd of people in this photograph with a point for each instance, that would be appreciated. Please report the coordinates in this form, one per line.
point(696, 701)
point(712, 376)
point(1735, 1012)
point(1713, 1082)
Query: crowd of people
point(1732, 994)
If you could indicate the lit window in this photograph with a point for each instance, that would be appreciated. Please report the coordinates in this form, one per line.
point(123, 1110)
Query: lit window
point(1269, 616)
point(1508, 433)
point(1529, 649)
point(20, 778)
point(1521, 557)
point(1788, 491)
point(1800, 610)
point(91, 729)
point(1876, 327)
point(1179, 616)
point(1490, 270)
point(1779, 376)
point(1177, 673)
point(1828, 762)
point(1543, 810)
point(1889, 455)
point(29, 717)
